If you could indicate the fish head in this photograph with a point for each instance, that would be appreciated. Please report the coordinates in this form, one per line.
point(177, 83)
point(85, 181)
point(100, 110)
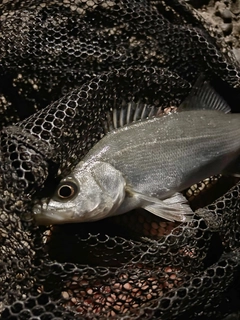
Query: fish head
point(91, 193)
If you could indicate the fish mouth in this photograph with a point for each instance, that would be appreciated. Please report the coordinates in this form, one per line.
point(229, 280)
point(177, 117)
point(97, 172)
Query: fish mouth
point(47, 216)
point(43, 215)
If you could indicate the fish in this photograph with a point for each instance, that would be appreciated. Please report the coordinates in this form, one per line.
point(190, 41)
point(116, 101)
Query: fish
point(146, 160)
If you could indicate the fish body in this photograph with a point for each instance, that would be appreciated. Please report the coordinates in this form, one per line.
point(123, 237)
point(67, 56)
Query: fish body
point(146, 164)
point(165, 155)
point(156, 158)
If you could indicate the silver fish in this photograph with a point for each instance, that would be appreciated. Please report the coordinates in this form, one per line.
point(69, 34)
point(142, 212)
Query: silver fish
point(147, 163)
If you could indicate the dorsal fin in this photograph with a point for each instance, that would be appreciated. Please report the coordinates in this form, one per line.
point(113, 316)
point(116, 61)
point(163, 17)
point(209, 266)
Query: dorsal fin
point(128, 113)
point(203, 96)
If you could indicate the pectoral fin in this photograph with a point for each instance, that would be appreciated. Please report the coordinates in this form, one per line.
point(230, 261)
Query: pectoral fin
point(174, 208)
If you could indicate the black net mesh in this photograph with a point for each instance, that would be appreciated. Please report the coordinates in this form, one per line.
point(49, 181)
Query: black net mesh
point(63, 65)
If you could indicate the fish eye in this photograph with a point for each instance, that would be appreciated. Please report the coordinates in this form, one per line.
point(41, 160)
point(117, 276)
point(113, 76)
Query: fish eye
point(67, 190)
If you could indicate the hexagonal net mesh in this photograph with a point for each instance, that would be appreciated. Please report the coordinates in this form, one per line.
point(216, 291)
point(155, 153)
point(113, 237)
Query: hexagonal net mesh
point(64, 64)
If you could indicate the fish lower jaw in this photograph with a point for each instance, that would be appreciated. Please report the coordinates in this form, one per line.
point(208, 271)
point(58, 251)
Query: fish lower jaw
point(64, 217)
point(49, 217)
point(41, 219)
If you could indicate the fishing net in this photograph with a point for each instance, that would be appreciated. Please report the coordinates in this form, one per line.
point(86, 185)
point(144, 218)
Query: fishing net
point(64, 65)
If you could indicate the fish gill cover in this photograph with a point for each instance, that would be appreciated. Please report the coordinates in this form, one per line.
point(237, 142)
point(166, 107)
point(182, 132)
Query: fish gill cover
point(64, 64)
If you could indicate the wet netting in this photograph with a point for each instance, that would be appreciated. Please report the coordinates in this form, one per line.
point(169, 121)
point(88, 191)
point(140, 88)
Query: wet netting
point(63, 65)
